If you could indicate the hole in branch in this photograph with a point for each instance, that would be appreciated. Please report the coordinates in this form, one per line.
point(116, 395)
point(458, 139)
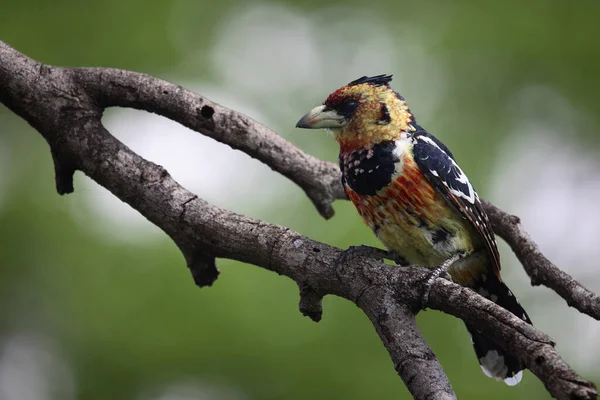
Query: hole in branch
point(207, 112)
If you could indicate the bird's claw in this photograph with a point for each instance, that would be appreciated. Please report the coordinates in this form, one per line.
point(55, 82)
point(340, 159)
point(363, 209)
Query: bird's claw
point(436, 273)
point(397, 258)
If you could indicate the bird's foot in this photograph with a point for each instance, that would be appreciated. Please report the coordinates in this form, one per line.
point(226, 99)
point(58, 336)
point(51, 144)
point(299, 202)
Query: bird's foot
point(397, 258)
point(436, 273)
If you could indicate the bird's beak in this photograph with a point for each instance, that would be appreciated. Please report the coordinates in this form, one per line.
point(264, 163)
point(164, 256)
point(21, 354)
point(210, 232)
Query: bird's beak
point(321, 117)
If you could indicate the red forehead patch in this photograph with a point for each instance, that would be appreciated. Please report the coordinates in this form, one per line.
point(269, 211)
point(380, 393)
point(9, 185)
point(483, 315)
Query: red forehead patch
point(337, 97)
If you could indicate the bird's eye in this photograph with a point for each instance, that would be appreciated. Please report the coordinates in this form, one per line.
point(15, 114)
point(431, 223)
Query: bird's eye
point(347, 107)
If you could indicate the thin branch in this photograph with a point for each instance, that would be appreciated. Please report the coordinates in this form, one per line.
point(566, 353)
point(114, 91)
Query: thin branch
point(535, 349)
point(541, 270)
point(66, 105)
point(113, 87)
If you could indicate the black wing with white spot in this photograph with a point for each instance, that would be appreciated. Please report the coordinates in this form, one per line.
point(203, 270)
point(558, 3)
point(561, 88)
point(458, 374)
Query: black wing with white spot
point(366, 171)
point(437, 164)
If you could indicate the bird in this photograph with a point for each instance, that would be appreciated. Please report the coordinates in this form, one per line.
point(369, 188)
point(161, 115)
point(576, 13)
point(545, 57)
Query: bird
point(409, 189)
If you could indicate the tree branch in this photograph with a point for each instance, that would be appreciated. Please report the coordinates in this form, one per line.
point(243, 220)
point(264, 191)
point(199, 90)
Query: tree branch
point(535, 349)
point(541, 270)
point(113, 87)
point(66, 105)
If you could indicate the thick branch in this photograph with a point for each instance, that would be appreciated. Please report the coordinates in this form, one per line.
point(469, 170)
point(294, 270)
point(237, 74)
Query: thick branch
point(538, 267)
point(66, 105)
point(63, 111)
point(413, 359)
point(319, 179)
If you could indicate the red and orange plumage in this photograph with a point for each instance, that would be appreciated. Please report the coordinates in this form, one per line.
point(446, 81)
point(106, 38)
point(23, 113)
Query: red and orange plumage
point(397, 212)
point(410, 191)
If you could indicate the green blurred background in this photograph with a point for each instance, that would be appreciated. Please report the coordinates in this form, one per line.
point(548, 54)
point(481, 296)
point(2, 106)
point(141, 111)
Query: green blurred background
point(96, 303)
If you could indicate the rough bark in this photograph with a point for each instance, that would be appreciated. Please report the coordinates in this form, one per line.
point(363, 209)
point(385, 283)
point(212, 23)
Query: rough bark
point(65, 106)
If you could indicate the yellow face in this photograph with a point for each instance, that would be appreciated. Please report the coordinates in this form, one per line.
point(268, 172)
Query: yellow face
point(364, 112)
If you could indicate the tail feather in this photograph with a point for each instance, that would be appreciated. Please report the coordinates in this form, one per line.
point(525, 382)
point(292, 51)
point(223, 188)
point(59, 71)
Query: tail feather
point(495, 361)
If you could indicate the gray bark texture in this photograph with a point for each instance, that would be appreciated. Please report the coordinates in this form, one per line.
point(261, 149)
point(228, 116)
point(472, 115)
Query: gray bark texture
point(65, 106)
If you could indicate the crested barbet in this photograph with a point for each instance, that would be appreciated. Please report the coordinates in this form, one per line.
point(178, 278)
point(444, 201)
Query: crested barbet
point(410, 191)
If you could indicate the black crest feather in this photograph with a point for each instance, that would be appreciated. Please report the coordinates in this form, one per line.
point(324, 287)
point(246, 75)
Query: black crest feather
point(378, 80)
